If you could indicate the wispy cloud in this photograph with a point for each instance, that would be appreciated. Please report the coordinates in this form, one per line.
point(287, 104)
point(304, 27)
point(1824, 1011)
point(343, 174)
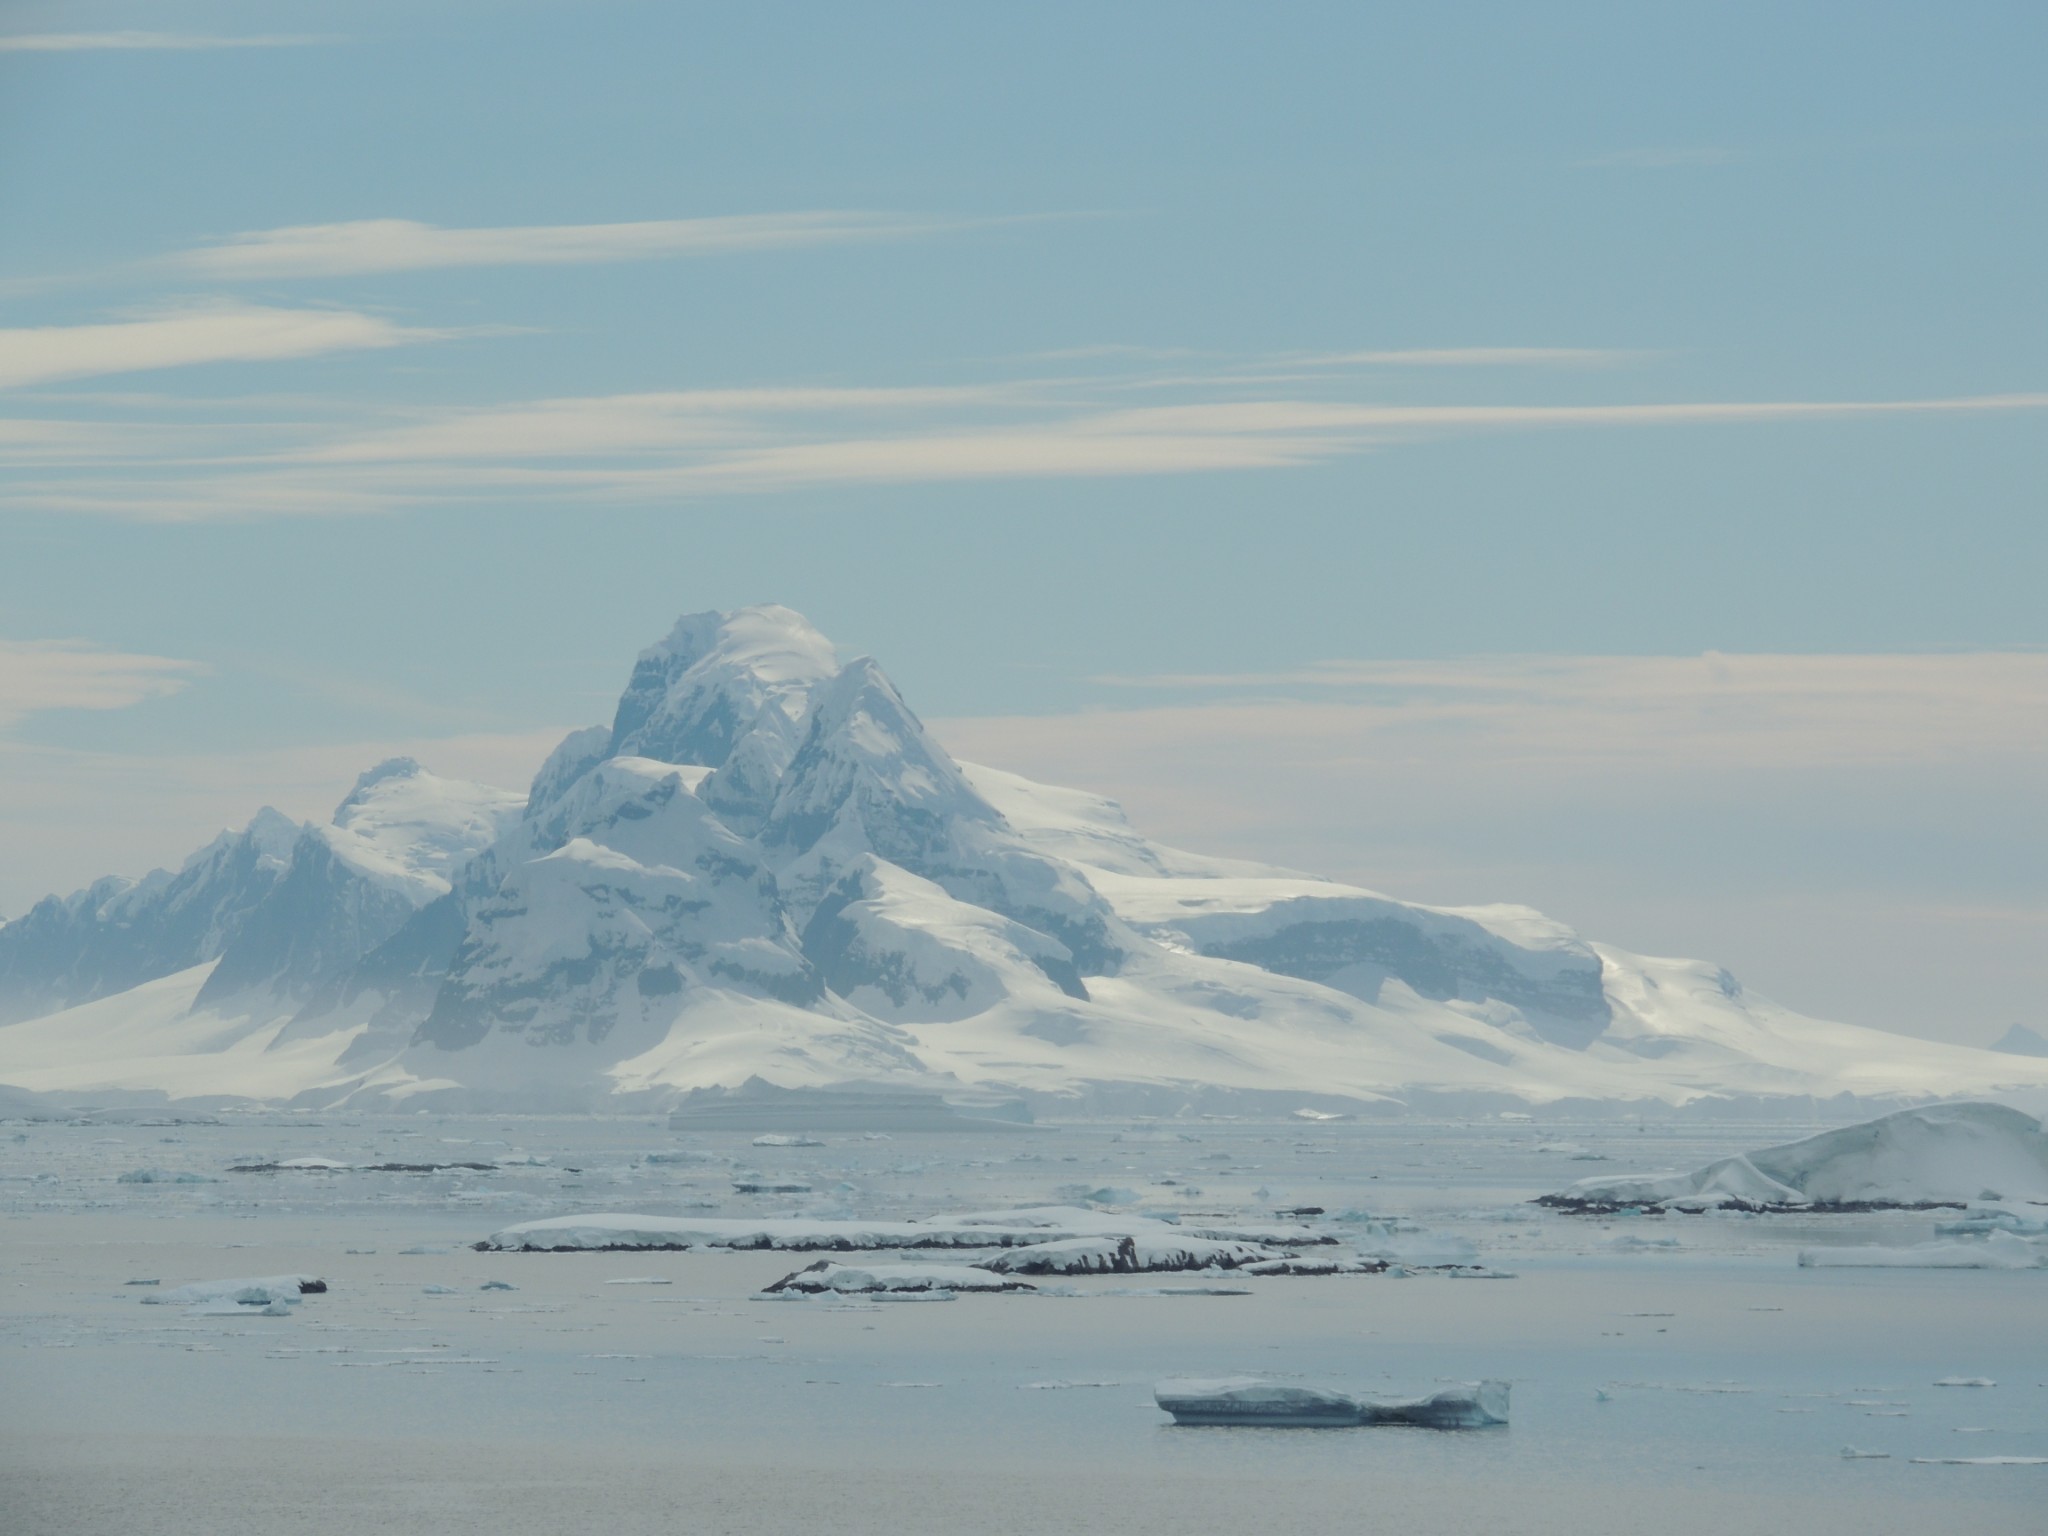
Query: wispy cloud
point(70, 674)
point(402, 245)
point(1477, 357)
point(1716, 708)
point(208, 333)
point(673, 445)
point(126, 42)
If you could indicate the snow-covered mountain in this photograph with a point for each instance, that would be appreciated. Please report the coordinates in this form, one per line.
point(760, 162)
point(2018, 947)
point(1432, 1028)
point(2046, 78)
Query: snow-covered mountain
point(767, 867)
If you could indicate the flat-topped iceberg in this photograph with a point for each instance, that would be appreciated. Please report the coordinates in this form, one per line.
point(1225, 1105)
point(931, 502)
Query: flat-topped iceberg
point(1252, 1400)
point(1127, 1255)
point(1942, 1154)
point(978, 1229)
point(2000, 1250)
point(261, 1291)
point(825, 1276)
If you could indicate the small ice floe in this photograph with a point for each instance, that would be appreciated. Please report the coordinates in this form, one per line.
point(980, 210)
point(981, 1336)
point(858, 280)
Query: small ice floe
point(232, 1309)
point(437, 1290)
point(1249, 1400)
point(1999, 1250)
point(418, 1249)
point(1853, 1453)
point(164, 1176)
point(1127, 1256)
point(846, 1279)
point(1316, 1265)
point(1108, 1194)
point(1980, 1461)
point(1966, 1381)
point(1062, 1386)
point(641, 1280)
point(687, 1157)
point(258, 1292)
point(1317, 1114)
point(777, 1139)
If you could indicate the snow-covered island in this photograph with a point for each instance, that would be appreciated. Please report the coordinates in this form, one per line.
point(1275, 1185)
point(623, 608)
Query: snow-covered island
point(766, 869)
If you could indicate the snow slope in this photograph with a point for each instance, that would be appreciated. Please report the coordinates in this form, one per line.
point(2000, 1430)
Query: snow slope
point(766, 867)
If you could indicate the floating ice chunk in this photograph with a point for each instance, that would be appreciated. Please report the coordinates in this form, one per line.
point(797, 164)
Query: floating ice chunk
point(826, 1276)
point(1126, 1256)
point(777, 1139)
point(1251, 1400)
point(1470, 1405)
point(1981, 1461)
point(233, 1309)
point(437, 1290)
point(1333, 1265)
point(1852, 1453)
point(1966, 1381)
point(687, 1157)
point(2001, 1250)
point(258, 1292)
point(164, 1176)
point(641, 1280)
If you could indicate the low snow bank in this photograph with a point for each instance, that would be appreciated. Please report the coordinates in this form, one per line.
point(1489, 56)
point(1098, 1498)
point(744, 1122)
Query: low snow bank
point(259, 1292)
point(1252, 1401)
point(1943, 1154)
point(850, 1279)
point(2001, 1250)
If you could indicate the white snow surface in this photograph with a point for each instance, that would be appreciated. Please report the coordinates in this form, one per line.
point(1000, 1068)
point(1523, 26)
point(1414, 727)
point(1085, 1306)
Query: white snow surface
point(411, 830)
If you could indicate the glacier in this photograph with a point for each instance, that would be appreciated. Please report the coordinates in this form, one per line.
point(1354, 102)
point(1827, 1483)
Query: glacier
point(767, 871)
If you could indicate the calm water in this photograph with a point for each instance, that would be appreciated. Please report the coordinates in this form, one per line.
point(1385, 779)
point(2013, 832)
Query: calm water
point(1675, 1373)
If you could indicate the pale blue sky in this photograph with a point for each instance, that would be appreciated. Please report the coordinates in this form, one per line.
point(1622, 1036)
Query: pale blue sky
point(402, 368)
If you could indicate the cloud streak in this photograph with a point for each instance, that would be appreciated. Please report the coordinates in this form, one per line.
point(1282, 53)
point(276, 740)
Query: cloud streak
point(211, 333)
point(131, 42)
point(678, 444)
point(367, 246)
point(38, 675)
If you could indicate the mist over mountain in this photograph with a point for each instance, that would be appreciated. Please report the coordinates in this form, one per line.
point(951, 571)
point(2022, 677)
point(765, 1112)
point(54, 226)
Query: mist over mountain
point(766, 867)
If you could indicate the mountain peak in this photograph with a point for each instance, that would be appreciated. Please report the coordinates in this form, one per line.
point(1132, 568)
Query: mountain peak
point(714, 678)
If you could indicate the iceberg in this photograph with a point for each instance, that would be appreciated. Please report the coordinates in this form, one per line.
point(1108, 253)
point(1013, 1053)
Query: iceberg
point(975, 1229)
point(1473, 1405)
point(2001, 1250)
point(849, 1279)
point(1251, 1400)
point(1127, 1256)
point(262, 1291)
point(1941, 1154)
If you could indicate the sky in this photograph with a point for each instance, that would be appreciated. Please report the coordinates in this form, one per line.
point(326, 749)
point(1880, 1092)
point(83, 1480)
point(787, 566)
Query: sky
point(1584, 455)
